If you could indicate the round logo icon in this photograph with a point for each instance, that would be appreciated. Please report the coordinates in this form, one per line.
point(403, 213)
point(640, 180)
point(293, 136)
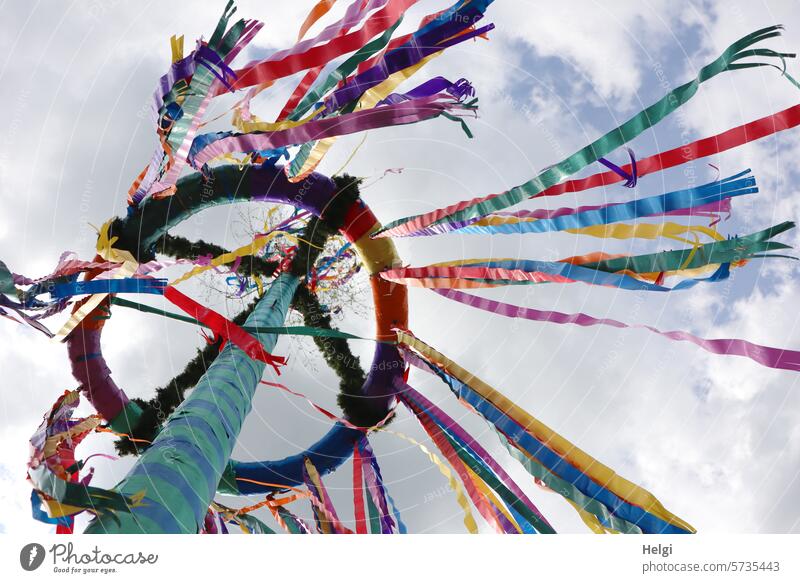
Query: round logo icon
point(31, 556)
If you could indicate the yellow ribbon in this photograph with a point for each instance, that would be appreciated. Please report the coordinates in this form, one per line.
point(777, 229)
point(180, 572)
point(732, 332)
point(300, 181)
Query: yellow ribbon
point(369, 100)
point(250, 249)
point(106, 250)
point(581, 460)
point(648, 231)
point(469, 520)
point(176, 43)
point(488, 493)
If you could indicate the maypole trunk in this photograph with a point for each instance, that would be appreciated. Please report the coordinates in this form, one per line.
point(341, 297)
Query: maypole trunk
point(180, 471)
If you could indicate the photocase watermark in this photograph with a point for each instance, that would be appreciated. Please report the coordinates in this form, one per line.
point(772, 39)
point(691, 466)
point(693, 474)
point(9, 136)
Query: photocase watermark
point(67, 560)
point(31, 556)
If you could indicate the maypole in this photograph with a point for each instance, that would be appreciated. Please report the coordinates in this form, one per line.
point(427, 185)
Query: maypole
point(180, 471)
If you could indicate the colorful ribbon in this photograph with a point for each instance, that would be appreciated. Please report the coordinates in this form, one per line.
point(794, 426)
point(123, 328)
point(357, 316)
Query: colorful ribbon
point(601, 147)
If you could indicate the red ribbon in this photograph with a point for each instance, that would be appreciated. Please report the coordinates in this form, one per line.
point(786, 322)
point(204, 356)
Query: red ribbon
point(266, 71)
point(358, 492)
point(727, 140)
point(223, 327)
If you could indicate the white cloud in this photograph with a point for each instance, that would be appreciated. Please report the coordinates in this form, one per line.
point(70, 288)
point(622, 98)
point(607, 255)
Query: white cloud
point(714, 438)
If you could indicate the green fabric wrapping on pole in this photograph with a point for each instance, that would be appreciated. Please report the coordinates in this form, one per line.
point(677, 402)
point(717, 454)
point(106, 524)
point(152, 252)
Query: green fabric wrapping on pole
point(180, 471)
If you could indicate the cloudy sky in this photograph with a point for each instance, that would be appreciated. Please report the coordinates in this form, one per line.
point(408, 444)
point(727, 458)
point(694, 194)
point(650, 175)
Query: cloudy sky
point(716, 439)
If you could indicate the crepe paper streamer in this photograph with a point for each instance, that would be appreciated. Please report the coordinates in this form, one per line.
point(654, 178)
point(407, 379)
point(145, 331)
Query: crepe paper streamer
point(304, 103)
point(380, 81)
point(401, 527)
point(595, 480)
point(252, 525)
point(710, 193)
point(254, 124)
point(455, 486)
point(599, 148)
point(528, 460)
point(516, 499)
point(594, 515)
point(630, 179)
point(706, 210)
point(500, 272)
point(325, 514)
point(109, 286)
point(224, 328)
point(42, 516)
point(327, 413)
point(779, 358)
point(353, 16)
point(305, 55)
point(734, 249)
point(177, 136)
point(220, 50)
point(245, 251)
point(404, 113)
point(504, 515)
point(358, 492)
point(522, 272)
point(319, 10)
point(210, 524)
point(291, 523)
point(484, 480)
point(129, 266)
point(302, 99)
point(327, 263)
point(374, 517)
point(290, 330)
point(67, 265)
point(176, 44)
point(375, 487)
point(7, 281)
point(379, 521)
point(497, 273)
point(377, 516)
point(459, 90)
point(667, 230)
point(25, 318)
point(480, 501)
point(53, 446)
point(440, 33)
point(311, 153)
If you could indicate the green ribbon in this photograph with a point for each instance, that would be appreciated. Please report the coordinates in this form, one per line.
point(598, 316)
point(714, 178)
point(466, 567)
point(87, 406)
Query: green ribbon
point(619, 136)
point(374, 516)
point(287, 330)
point(97, 500)
point(342, 71)
point(316, 93)
point(6, 281)
point(495, 484)
point(290, 520)
point(726, 251)
point(567, 490)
